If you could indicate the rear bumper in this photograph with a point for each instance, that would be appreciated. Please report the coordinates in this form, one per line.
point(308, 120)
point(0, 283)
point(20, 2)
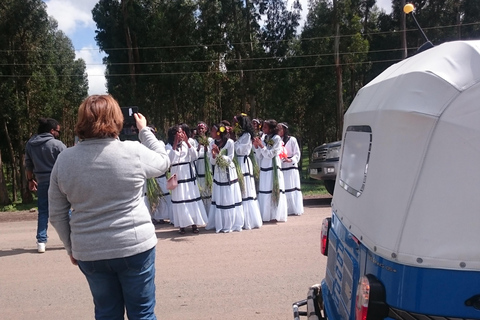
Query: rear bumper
point(313, 303)
point(323, 170)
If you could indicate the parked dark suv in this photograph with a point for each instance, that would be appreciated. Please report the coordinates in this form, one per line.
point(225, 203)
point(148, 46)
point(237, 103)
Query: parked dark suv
point(324, 164)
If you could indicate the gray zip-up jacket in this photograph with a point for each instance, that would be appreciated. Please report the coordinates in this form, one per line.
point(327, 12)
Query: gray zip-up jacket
point(41, 152)
point(102, 181)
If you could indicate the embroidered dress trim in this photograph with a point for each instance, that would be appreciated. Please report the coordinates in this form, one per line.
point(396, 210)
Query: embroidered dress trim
point(290, 168)
point(238, 204)
point(266, 169)
point(180, 164)
point(227, 183)
point(187, 201)
point(270, 191)
point(187, 180)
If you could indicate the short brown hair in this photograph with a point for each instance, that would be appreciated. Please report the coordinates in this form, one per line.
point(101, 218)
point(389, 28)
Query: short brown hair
point(99, 116)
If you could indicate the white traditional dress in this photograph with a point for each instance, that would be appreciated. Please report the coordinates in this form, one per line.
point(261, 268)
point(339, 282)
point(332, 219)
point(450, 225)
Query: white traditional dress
point(291, 176)
point(163, 210)
point(269, 208)
point(253, 218)
point(205, 193)
point(187, 206)
point(226, 210)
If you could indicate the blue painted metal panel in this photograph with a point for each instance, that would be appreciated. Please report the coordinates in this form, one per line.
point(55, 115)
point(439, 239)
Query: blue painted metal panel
point(426, 291)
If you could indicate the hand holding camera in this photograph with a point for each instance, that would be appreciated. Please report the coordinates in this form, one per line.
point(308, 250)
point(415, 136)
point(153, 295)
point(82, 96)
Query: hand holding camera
point(140, 120)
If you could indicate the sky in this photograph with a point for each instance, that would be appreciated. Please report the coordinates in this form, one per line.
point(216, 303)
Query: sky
point(75, 20)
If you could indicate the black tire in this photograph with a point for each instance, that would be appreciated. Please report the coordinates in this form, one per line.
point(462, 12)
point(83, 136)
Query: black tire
point(329, 185)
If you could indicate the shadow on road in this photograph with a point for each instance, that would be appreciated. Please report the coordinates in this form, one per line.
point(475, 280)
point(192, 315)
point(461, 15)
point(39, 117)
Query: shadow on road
point(318, 202)
point(168, 231)
point(17, 251)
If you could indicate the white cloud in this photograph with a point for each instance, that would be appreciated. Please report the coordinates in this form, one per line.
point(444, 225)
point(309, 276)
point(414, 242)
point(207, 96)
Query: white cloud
point(95, 69)
point(75, 19)
point(72, 14)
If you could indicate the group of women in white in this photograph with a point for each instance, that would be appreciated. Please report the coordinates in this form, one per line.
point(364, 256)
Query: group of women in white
point(238, 178)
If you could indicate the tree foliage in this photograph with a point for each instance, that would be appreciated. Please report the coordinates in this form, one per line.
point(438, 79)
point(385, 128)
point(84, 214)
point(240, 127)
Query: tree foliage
point(39, 78)
point(190, 60)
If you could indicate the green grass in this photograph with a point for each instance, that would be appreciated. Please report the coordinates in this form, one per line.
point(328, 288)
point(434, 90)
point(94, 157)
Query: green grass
point(310, 187)
point(19, 206)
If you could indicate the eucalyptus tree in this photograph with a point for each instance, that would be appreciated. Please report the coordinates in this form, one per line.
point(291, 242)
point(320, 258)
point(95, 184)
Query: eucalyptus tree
point(149, 48)
point(35, 67)
point(334, 37)
point(278, 40)
point(318, 75)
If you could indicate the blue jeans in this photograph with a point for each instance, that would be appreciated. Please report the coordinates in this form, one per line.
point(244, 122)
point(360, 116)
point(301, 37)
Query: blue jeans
point(42, 221)
point(122, 283)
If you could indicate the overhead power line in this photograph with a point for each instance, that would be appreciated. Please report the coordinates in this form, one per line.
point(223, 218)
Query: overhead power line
point(251, 42)
point(214, 60)
point(209, 72)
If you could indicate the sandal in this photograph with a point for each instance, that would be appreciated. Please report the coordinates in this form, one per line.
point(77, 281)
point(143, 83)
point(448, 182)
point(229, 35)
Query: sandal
point(181, 231)
point(195, 229)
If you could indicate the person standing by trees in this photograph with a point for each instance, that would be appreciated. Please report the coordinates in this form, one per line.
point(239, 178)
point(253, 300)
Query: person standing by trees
point(291, 176)
point(41, 152)
point(271, 190)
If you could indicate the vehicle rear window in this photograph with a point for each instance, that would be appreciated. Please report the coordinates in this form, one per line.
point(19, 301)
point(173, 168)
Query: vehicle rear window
point(357, 144)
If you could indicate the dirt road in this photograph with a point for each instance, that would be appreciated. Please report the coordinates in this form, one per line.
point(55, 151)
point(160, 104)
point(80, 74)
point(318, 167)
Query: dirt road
point(254, 274)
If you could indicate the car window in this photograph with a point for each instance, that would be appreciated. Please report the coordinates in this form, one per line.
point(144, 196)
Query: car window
point(357, 145)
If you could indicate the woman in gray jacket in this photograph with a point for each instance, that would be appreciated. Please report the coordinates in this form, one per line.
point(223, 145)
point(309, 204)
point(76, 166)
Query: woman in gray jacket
point(109, 232)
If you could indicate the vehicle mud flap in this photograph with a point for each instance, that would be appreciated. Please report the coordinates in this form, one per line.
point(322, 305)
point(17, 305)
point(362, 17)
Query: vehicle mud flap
point(314, 303)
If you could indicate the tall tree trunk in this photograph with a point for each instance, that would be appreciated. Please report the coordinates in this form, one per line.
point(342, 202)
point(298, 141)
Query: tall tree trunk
point(238, 53)
point(404, 32)
point(13, 160)
point(252, 101)
point(338, 72)
point(4, 200)
point(128, 40)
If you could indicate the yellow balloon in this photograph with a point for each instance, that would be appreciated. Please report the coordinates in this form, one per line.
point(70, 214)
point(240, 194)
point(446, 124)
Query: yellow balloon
point(408, 8)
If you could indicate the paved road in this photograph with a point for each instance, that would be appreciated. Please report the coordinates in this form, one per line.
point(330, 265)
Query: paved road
point(254, 274)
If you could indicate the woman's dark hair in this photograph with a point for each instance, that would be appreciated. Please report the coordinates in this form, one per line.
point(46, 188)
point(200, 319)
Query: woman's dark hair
point(245, 124)
point(172, 131)
point(272, 125)
point(186, 129)
point(46, 124)
point(223, 135)
point(286, 133)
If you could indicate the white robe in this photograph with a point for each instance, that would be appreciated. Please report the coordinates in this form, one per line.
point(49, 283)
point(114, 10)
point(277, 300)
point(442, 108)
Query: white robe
point(187, 206)
point(226, 210)
point(291, 176)
point(253, 218)
point(269, 209)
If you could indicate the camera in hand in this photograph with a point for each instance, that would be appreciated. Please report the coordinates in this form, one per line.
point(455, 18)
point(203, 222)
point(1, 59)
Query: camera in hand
point(130, 130)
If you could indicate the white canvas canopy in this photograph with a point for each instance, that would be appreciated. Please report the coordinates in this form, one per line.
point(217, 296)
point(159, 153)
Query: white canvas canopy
point(420, 202)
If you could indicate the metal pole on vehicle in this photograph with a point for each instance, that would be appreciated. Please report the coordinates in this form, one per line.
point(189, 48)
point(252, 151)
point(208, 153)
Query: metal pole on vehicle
point(408, 9)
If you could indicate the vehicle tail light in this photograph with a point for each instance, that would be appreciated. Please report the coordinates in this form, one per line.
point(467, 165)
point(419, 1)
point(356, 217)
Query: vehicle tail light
point(361, 302)
point(326, 223)
point(370, 301)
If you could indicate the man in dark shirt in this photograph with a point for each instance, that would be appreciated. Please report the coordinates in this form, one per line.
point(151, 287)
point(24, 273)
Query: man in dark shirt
point(41, 153)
